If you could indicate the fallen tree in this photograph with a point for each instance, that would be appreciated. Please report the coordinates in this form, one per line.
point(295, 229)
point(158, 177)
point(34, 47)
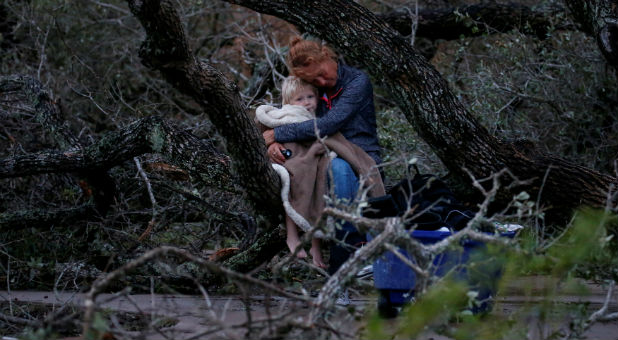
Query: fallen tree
point(473, 20)
point(464, 146)
point(148, 135)
point(599, 19)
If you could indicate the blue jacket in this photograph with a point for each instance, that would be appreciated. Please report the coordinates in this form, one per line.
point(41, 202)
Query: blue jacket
point(349, 111)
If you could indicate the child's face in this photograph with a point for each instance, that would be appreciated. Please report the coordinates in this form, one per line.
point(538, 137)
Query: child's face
point(306, 98)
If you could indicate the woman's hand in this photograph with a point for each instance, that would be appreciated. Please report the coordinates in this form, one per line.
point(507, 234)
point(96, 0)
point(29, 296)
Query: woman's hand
point(274, 153)
point(274, 148)
point(269, 137)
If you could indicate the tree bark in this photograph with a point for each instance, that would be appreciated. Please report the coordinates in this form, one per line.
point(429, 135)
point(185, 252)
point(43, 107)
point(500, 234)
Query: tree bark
point(46, 111)
point(166, 49)
point(48, 114)
point(599, 18)
point(429, 105)
point(474, 20)
point(45, 218)
point(148, 135)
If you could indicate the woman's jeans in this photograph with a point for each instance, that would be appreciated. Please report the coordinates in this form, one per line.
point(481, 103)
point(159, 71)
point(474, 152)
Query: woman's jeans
point(345, 188)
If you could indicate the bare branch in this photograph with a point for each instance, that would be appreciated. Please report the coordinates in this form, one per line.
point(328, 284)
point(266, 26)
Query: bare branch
point(392, 229)
point(473, 20)
point(103, 282)
point(46, 109)
point(45, 218)
point(148, 135)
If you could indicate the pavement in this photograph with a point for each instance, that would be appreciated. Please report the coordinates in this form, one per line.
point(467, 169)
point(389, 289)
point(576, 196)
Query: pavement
point(222, 317)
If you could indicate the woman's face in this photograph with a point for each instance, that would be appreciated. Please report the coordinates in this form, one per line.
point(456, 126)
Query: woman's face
point(322, 74)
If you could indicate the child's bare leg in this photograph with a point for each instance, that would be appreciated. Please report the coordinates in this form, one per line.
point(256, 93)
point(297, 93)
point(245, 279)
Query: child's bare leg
point(316, 253)
point(292, 240)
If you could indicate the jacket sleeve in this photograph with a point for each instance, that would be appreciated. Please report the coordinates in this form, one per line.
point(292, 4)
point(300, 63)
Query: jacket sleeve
point(348, 104)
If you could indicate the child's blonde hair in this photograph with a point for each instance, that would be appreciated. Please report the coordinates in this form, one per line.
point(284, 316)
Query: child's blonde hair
point(291, 85)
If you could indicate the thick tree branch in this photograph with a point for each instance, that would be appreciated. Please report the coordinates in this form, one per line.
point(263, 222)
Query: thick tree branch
point(599, 18)
point(45, 108)
point(148, 135)
point(45, 218)
point(48, 114)
point(475, 20)
point(166, 49)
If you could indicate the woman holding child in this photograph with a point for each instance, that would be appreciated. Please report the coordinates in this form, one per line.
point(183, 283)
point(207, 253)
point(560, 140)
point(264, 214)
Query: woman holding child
point(346, 106)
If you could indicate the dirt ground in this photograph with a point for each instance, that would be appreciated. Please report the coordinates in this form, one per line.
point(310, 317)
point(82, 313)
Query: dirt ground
point(216, 318)
point(195, 317)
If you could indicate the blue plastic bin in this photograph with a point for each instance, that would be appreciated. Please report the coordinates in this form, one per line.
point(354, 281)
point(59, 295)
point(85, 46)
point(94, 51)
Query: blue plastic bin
point(396, 281)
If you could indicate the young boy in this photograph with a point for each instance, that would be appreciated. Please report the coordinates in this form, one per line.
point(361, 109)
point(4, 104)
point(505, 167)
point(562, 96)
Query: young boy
point(304, 172)
point(299, 101)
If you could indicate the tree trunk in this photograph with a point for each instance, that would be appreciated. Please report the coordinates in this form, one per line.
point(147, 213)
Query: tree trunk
point(599, 18)
point(166, 49)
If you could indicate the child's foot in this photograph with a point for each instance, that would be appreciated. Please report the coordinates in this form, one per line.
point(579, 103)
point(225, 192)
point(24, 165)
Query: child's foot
point(316, 254)
point(292, 245)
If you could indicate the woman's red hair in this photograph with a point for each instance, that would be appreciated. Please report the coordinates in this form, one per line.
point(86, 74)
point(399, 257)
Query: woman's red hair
point(304, 53)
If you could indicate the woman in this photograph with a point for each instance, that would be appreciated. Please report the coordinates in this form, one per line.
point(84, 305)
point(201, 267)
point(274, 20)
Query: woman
point(346, 101)
point(346, 106)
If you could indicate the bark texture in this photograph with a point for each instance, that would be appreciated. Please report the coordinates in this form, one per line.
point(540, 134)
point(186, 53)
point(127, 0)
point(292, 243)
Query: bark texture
point(437, 115)
point(599, 18)
point(48, 114)
point(148, 135)
point(45, 218)
point(473, 20)
point(166, 49)
point(45, 109)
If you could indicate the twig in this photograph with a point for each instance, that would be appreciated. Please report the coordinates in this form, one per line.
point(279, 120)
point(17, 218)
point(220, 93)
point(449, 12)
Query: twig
point(413, 21)
point(152, 200)
point(603, 311)
point(8, 284)
point(104, 281)
point(599, 315)
point(43, 58)
point(20, 321)
point(418, 270)
point(538, 202)
point(392, 229)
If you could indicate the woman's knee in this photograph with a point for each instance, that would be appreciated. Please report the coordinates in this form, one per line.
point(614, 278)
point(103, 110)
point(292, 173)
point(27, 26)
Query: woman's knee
point(344, 178)
point(340, 165)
